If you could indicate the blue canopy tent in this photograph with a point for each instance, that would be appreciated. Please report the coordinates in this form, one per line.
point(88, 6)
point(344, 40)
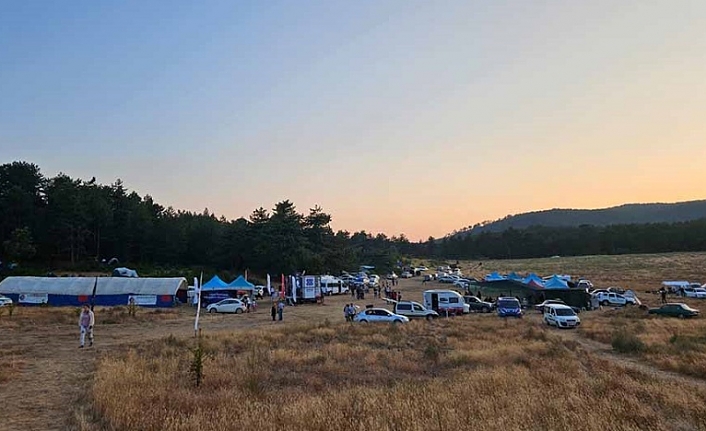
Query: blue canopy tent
point(214, 284)
point(215, 290)
point(241, 283)
point(514, 276)
point(533, 280)
point(556, 283)
point(494, 276)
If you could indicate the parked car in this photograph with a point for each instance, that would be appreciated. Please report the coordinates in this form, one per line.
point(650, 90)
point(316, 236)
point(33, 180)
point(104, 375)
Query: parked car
point(406, 274)
point(674, 310)
point(698, 292)
point(540, 307)
point(413, 309)
point(4, 300)
point(615, 299)
point(230, 305)
point(477, 305)
point(379, 315)
point(448, 278)
point(561, 316)
point(508, 307)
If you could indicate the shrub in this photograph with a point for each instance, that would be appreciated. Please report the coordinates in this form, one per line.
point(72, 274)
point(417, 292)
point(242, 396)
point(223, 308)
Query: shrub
point(626, 342)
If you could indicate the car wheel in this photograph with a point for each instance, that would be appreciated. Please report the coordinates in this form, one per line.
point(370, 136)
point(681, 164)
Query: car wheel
point(430, 317)
point(681, 316)
point(604, 303)
point(213, 310)
point(238, 311)
point(363, 321)
point(396, 321)
point(485, 310)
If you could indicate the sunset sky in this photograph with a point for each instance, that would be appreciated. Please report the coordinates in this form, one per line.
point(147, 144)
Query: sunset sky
point(414, 117)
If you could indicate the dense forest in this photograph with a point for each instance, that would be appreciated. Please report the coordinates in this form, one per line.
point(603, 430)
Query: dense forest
point(65, 223)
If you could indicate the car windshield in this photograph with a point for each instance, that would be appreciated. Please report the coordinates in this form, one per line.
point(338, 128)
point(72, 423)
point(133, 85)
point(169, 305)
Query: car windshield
point(508, 303)
point(565, 312)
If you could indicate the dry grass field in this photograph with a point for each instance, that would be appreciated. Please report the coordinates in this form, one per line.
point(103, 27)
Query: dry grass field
point(315, 372)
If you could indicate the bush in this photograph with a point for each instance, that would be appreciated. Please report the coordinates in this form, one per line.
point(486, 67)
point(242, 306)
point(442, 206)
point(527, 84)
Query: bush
point(626, 342)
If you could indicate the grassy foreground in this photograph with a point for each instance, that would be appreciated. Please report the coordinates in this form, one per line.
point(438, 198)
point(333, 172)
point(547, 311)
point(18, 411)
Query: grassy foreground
point(476, 373)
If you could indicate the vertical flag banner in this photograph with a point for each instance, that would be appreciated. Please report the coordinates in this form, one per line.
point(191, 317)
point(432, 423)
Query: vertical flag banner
point(269, 285)
point(281, 293)
point(246, 274)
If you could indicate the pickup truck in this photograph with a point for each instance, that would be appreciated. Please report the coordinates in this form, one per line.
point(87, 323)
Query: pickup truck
point(414, 310)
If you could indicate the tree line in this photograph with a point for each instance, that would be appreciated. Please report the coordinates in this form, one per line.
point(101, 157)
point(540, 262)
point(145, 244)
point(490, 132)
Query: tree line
point(62, 223)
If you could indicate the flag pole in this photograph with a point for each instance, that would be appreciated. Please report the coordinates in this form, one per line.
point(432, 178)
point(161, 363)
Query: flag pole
point(198, 306)
point(93, 295)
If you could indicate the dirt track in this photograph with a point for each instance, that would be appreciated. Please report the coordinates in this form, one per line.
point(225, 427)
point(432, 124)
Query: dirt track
point(54, 374)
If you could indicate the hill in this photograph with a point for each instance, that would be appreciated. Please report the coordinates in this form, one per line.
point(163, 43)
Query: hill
point(623, 214)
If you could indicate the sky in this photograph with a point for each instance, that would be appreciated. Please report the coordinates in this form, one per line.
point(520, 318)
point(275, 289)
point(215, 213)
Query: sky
point(402, 116)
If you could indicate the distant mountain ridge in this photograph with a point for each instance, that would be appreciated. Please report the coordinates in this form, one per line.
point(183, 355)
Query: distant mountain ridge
point(623, 214)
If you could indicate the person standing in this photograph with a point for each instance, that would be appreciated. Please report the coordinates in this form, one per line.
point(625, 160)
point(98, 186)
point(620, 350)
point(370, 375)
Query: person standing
point(663, 294)
point(280, 310)
point(273, 311)
point(86, 320)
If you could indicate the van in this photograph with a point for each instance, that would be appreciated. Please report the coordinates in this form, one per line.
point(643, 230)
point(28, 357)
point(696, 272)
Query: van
point(413, 309)
point(332, 285)
point(508, 307)
point(445, 302)
point(561, 316)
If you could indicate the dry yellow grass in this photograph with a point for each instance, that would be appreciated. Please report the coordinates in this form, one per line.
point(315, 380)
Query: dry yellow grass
point(478, 373)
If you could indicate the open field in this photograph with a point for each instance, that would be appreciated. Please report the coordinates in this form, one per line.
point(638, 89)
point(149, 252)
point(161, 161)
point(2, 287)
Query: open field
point(314, 371)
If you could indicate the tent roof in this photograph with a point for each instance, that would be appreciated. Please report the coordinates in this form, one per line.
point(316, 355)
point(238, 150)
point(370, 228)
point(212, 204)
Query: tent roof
point(494, 276)
point(76, 286)
point(533, 279)
point(556, 283)
point(214, 283)
point(241, 283)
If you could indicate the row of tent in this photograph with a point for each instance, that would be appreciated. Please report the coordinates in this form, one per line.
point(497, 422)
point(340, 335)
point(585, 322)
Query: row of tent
point(216, 283)
point(532, 280)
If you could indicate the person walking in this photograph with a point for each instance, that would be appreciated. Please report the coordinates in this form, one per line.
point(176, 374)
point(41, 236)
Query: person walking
point(273, 311)
point(280, 310)
point(663, 294)
point(86, 320)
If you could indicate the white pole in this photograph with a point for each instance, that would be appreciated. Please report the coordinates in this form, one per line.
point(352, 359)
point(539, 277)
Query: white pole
point(269, 286)
point(197, 291)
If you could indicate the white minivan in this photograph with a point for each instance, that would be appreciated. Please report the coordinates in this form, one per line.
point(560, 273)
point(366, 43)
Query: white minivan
point(561, 316)
point(445, 302)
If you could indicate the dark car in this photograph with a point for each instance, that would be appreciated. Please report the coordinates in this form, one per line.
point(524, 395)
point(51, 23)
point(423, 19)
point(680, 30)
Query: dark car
point(674, 310)
point(508, 307)
point(477, 305)
point(540, 307)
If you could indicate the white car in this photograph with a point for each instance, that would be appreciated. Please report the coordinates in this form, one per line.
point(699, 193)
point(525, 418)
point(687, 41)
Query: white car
point(699, 293)
point(379, 315)
point(406, 274)
point(230, 305)
point(4, 300)
point(561, 316)
point(609, 298)
point(448, 279)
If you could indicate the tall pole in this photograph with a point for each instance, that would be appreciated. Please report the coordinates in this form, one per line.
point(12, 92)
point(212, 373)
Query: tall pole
point(197, 291)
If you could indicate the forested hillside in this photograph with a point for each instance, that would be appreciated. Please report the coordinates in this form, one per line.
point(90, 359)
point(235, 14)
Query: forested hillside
point(623, 214)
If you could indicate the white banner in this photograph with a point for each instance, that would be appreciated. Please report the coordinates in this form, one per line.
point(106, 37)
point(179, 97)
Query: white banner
point(34, 298)
point(142, 299)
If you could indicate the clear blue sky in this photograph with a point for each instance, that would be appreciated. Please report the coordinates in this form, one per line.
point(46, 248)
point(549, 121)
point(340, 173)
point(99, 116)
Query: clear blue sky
point(395, 116)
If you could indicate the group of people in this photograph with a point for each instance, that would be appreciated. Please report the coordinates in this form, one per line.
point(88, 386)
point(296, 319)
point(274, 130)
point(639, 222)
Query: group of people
point(349, 311)
point(277, 310)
